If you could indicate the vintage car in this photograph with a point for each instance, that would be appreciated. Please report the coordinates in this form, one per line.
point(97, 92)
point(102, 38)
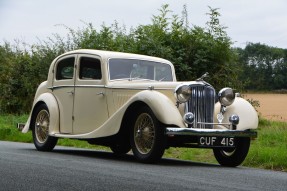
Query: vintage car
point(134, 102)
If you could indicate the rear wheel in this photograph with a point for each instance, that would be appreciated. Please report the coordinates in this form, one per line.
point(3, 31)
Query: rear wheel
point(147, 136)
point(120, 148)
point(233, 157)
point(40, 129)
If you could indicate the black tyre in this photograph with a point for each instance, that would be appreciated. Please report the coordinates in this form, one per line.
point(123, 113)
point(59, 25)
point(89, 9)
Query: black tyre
point(40, 129)
point(147, 136)
point(233, 157)
point(120, 148)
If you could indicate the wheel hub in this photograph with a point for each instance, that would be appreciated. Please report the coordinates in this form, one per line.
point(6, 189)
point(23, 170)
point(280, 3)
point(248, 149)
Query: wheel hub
point(42, 126)
point(144, 133)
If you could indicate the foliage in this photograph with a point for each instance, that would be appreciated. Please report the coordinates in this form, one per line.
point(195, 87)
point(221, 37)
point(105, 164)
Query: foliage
point(264, 67)
point(21, 71)
point(193, 50)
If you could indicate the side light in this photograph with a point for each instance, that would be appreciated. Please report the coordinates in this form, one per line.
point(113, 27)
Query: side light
point(188, 118)
point(234, 120)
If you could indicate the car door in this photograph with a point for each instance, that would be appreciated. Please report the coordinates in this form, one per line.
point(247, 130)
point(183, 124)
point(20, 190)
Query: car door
point(90, 105)
point(63, 90)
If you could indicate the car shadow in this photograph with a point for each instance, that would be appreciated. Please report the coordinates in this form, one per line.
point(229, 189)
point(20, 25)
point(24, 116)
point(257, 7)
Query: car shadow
point(126, 157)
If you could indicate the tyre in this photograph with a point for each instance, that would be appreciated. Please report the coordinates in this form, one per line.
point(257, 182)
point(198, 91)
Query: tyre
point(120, 148)
point(233, 157)
point(147, 136)
point(40, 129)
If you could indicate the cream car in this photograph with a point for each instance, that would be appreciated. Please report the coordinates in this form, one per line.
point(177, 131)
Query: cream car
point(133, 102)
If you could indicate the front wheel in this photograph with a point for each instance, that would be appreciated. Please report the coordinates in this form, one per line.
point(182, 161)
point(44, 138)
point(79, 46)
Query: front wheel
point(40, 129)
point(233, 157)
point(147, 136)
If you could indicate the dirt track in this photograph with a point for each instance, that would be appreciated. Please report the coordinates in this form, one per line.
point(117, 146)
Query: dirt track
point(272, 106)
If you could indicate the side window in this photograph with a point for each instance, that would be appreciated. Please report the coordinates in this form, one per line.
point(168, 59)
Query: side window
point(65, 69)
point(90, 68)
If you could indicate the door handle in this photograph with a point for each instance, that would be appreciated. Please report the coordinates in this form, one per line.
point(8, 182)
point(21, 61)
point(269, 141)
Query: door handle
point(101, 93)
point(71, 92)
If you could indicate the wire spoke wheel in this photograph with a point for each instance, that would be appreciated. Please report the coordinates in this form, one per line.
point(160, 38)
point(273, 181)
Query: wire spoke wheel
point(147, 138)
point(144, 133)
point(42, 126)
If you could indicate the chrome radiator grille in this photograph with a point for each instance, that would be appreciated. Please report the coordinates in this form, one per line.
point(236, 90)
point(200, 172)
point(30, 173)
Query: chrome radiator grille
point(201, 104)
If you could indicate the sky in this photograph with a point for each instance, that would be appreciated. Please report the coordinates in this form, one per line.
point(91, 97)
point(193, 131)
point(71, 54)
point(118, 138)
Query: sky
point(246, 20)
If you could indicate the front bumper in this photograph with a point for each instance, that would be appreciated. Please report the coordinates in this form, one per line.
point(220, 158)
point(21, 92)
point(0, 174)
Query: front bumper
point(172, 131)
point(206, 138)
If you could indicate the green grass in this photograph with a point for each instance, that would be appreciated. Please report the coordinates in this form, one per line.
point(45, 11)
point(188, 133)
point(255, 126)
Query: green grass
point(268, 151)
point(8, 130)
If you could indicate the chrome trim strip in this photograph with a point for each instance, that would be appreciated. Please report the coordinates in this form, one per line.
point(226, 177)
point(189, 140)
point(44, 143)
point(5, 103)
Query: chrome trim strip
point(210, 132)
point(108, 87)
point(78, 86)
point(57, 87)
point(90, 86)
point(143, 88)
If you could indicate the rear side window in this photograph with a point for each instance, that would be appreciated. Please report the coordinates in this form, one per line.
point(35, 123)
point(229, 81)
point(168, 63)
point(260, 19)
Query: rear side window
point(90, 69)
point(65, 69)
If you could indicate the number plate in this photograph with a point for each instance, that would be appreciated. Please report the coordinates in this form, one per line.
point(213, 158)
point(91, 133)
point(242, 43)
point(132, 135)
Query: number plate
point(216, 141)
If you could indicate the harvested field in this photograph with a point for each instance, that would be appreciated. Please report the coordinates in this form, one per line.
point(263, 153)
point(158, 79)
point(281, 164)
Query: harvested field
point(272, 106)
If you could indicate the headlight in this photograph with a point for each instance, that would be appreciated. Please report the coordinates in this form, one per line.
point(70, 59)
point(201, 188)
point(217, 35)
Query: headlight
point(226, 96)
point(182, 93)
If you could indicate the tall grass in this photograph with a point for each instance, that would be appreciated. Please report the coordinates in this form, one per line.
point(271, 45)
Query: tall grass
point(268, 151)
point(8, 130)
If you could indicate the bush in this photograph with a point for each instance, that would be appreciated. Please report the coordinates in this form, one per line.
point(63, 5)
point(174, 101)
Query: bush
point(193, 50)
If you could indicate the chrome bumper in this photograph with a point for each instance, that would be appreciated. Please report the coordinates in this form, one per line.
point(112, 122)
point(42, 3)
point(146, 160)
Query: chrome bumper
point(172, 131)
point(20, 126)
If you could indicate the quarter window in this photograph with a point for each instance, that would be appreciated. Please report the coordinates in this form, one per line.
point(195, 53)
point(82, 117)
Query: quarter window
point(65, 69)
point(90, 68)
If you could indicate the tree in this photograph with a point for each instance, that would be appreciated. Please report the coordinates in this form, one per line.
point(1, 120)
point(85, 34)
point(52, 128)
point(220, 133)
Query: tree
point(193, 51)
point(264, 67)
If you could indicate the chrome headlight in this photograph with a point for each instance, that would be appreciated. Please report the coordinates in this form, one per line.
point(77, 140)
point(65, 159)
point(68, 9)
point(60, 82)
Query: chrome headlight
point(182, 93)
point(226, 96)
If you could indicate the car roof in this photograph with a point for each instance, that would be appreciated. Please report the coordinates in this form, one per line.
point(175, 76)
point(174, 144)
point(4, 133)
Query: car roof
point(113, 54)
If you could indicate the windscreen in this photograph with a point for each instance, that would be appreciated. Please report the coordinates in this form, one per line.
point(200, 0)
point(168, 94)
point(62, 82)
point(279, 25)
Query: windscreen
point(133, 69)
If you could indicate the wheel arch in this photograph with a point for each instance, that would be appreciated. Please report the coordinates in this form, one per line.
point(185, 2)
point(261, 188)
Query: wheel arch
point(248, 117)
point(162, 107)
point(128, 115)
point(50, 101)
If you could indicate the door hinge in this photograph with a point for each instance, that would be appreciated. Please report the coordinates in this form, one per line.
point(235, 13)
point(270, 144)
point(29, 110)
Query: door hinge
point(73, 118)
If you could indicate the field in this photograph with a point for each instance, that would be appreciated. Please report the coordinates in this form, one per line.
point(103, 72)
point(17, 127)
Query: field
point(272, 106)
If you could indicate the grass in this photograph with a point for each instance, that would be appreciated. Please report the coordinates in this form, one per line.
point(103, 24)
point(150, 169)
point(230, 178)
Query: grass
point(8, 130)
point(268, 151)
